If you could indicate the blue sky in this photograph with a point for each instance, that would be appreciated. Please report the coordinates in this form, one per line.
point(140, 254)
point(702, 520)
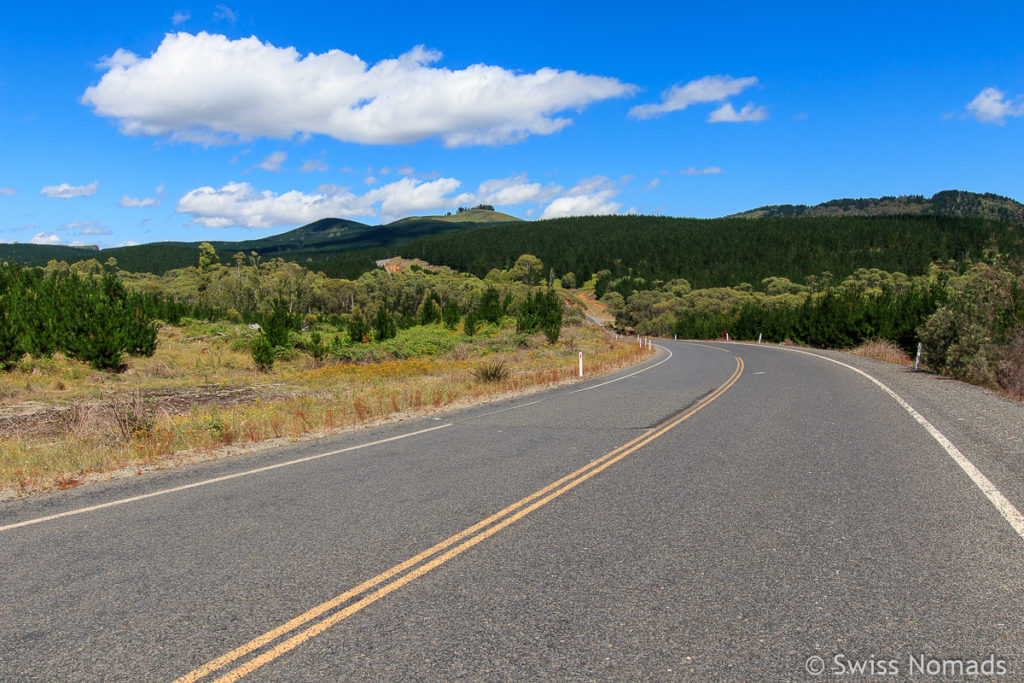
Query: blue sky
point(130, 123)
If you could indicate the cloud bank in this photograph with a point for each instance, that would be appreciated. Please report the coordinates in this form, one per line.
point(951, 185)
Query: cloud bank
point(207, 88)
point(239, 204)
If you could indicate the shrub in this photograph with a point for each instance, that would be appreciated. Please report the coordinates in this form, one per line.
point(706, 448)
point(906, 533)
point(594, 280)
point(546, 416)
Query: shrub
point(357, 328)
point(263, 352)
point(424, 340)
point(541, 310)
point(384, 325)
point(490, 308)
point(278, 324)
point(470, 324)
point(450, 315)
point(429, 312)
point(316, 346)
point(492, 372)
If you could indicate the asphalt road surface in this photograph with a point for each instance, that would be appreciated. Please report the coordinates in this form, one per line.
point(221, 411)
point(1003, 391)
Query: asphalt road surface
point(730, 512)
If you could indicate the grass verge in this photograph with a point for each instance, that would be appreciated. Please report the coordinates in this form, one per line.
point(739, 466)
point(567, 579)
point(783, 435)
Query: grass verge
point(62, 423)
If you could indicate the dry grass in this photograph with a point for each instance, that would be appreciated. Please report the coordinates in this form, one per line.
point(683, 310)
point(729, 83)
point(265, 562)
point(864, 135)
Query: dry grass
point(60, 421)
point(881, 349)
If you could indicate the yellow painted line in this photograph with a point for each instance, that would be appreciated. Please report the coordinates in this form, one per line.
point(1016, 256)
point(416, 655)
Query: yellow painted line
point(508, 516)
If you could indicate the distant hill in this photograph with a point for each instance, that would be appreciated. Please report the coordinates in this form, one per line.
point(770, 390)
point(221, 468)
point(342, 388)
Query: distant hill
point(893, 233)
point(951, 203)
point(476, 215)
point(341, 248)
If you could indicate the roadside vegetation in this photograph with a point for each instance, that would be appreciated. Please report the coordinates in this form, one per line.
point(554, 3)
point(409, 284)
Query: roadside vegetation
point(279, 352)
point(969, 318)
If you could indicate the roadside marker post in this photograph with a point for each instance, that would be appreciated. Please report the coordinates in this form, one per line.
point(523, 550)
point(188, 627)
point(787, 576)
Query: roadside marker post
point(759, 337)
point(581, 363)
point(917, 363)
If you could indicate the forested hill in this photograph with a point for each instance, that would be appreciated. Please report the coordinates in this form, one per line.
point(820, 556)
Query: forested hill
point(952, 203)
point(723, 251)
point(342, 248)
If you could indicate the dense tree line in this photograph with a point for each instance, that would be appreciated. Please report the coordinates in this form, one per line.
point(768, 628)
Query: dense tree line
point(837, 318)
point(720, 252)
point(92, 319)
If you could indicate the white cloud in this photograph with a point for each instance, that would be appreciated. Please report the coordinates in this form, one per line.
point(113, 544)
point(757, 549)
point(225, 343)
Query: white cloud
point(991, 106)
point(653, 184)
point(710, 170)
point(514, 190)
point(7, 191)
point(273, 162)
point(223, 12)
point(65, 191)
point(96, 230)
point(180, 18)
point(702, 90)
point(239, 204)
point(370, 180)
point(129, 202)
point(314, 164)
point(590, 197)
point(204, 87)
point(45, 238)
point(76, 225)
point(726, 114)
point(410, 196)
point(405, 170)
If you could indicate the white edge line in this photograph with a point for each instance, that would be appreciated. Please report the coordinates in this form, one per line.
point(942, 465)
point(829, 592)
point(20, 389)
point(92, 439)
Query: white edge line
point(216, 480)
point(619, 379)
point(502, 410)
point(1005, 507)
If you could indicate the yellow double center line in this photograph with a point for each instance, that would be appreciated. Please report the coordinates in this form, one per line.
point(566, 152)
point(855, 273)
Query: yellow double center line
point(462, 541)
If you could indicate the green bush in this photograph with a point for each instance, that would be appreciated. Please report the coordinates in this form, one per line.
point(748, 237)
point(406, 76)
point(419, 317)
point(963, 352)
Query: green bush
point(450, 315)
point(384, 325)
point(316, 346)
point(425, 340)
point(357, 328)
point(470, 324)
point(263, 352)
point(541, 310)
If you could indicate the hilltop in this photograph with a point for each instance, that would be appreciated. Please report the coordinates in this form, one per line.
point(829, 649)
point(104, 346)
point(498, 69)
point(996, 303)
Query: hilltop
point(478, 214)
point(949, 203)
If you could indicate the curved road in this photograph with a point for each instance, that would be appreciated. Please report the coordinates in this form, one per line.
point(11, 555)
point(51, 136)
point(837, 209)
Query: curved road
point(730, 512)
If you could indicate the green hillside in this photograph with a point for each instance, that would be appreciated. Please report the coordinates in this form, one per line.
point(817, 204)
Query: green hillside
point(341, 248)
point(893, 233)
point(476, 215)
point(951, 203)
point(723, 251)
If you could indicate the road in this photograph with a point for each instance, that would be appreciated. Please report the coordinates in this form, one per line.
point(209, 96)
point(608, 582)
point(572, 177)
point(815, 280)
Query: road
point(721, 512)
